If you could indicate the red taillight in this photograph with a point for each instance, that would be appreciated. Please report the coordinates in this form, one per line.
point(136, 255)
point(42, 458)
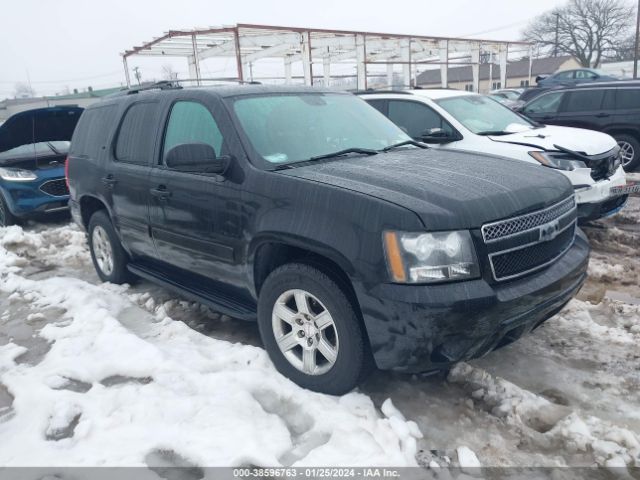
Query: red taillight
point(66, 171)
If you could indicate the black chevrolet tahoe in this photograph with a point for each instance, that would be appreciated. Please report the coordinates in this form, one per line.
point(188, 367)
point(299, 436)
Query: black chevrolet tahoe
point(351, 244)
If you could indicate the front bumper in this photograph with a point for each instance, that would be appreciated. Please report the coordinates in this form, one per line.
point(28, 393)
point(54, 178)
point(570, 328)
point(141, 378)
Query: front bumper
point(26, 199)
point(593, 211)
point(589, 191)
point(423, 328)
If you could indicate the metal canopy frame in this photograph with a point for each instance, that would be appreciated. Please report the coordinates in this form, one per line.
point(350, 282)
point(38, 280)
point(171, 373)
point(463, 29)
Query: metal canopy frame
point(248, 43)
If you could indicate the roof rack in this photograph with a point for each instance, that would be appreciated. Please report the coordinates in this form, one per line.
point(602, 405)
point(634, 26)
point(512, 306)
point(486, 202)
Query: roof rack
point(175, 84)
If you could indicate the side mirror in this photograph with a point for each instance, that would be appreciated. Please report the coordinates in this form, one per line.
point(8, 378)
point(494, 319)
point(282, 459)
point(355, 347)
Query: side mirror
point(437, 135)
point(195, 158)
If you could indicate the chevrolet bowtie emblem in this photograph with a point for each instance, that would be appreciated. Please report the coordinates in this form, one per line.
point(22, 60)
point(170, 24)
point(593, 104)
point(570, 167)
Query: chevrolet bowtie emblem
point(549, 231)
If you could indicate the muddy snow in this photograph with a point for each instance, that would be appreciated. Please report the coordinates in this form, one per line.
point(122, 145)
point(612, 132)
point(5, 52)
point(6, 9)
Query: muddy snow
point(97, 374)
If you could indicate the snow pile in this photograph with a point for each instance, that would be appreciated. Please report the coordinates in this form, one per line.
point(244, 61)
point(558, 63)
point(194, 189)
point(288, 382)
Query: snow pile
point(126, 385)
point(555, 426)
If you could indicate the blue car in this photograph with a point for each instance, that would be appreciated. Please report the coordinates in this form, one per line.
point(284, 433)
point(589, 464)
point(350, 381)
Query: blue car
point(33, 148)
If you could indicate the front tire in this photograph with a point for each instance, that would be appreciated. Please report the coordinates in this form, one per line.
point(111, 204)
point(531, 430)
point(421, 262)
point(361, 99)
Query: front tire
point(6, 217)
point(311, 330)
point(109, 258)
point(630, 151)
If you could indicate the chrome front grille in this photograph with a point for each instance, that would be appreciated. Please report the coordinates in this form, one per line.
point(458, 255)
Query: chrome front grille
point(504, 228)
point(521, 245)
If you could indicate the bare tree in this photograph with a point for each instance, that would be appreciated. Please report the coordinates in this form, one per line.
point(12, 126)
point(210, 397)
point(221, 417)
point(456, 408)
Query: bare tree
point(168, 73)
point(23, 90)
point(589, 30)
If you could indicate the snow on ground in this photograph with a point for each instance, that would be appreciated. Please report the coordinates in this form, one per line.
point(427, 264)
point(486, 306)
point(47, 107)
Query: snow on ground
point(121, 382)
point(99, 374)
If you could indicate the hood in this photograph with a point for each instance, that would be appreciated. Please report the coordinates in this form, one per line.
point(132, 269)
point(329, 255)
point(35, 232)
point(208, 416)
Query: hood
point(576, 139)
point(39, 125)
point(447, 190)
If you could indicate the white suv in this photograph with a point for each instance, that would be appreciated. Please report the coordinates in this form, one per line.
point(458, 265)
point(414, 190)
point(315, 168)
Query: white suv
point(466, 121)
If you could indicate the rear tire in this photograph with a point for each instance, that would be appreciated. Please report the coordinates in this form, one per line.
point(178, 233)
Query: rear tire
point(6, 217)
point(631, 151)
point(109, 258)
point(311, 331)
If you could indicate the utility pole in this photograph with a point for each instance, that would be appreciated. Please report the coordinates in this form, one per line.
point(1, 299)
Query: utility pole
point(555, 45)
point(635, 44)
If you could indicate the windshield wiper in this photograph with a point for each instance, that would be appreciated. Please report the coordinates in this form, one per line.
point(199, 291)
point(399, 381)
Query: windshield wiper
point(346, 151)
point(494, 132)
point(402, 144)
point(339, 153)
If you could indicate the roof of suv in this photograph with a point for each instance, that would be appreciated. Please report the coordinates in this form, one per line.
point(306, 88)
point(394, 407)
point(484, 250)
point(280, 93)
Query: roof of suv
point(613, 83)
point(224, 90)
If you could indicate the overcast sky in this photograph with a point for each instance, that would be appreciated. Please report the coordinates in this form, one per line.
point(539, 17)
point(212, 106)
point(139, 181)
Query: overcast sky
point(77, 43)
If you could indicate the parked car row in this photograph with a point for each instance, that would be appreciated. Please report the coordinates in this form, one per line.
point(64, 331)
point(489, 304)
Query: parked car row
point(612, 108)
point(332, 223)
point(470, 122)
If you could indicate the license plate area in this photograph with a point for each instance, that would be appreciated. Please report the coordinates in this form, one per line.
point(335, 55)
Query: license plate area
point(628, 189)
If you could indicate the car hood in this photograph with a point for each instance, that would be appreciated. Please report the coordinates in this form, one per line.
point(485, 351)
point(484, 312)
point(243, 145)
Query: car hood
point(446, 189)
point(38, 125)
point(576, 139)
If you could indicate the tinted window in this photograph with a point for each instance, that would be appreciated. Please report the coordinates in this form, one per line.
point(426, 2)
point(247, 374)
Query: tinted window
point(92, 132)
point(415, 118)
point(548, 103)
point(137, 133)
point(378, 105)
point(191, 122)
point(627, 98)
point(584, 101)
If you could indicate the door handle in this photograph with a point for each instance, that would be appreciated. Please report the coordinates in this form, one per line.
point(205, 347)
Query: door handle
point(602, 115)
point(160, 193)
point(109, 181)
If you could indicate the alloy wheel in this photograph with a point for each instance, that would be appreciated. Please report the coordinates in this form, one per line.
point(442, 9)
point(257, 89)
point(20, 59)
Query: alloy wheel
point(102, 250)
point(305, 332)
point(627, 152)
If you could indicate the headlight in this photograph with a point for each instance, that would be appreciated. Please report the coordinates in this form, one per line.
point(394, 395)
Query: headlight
point(430, 257)
point(559, 160)
point(17, 175)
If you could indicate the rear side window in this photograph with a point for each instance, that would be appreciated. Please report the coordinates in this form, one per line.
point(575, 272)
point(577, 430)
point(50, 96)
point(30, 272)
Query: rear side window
point(92, 131)
point(191, 122)
point(627, 98)
point(548, 103)
point(564, 75)
point(137, 134)
point(584, 101)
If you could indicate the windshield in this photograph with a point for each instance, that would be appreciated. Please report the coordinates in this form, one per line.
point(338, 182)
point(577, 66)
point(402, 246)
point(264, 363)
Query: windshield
point(482, 114)
point(285, 128)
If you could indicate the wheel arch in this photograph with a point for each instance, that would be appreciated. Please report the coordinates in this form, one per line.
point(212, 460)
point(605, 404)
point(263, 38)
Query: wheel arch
point(621, 130)
point(89, 205)
point(272, 251)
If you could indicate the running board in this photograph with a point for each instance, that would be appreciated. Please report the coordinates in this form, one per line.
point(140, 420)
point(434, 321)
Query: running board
point(217, 301)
